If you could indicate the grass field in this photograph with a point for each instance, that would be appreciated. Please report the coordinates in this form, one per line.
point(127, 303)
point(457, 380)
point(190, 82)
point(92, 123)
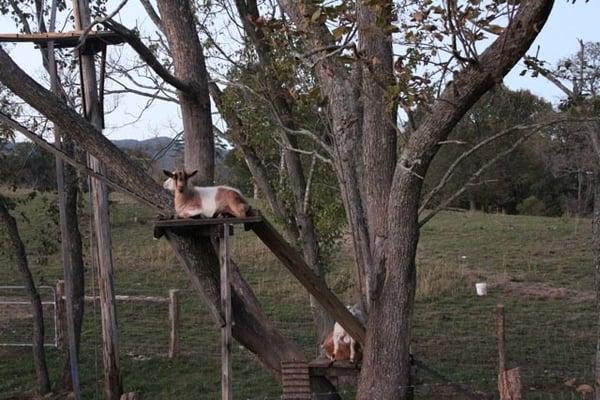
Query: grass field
point(539, 268)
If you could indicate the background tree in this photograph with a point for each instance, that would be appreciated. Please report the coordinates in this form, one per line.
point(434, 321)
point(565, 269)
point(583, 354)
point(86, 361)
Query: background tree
point(578, 77)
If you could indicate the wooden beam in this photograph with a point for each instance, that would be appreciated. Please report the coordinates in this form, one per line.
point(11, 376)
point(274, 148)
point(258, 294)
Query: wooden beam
point(226, 393)
point(173, 323)
point(181, 222)
point(295, 263)
point(92, 109)
point(61, 39)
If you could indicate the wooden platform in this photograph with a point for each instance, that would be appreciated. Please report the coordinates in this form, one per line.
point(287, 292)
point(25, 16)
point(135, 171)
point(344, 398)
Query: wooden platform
point(63, 39)
point(328, 368)
point(200, 226)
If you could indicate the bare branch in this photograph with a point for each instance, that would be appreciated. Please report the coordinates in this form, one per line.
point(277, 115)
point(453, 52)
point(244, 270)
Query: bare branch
point(533, 64)
point(146, 54)
point(310, 153)
point(470, 181)
point(308, 188)
point(473, 149)
point(96, 21)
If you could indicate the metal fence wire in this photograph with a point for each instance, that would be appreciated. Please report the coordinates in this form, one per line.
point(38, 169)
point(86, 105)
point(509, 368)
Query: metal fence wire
point(552, 340)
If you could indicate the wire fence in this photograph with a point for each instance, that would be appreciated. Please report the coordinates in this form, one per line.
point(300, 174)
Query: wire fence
point(552, 340)
point(552, 343)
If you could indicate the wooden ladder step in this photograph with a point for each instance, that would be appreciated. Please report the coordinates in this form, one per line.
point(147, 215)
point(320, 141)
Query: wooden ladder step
point(295, 380)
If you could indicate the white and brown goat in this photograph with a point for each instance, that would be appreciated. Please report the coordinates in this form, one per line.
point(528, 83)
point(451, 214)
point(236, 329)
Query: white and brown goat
point(339, 345)
point(207, 201)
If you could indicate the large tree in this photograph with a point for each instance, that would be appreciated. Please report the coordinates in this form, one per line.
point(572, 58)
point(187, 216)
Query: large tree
point(386, 255)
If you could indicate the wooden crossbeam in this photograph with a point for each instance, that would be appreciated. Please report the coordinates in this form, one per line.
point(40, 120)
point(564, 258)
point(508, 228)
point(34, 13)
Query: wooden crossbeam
point(288, 256)
point(61, 39)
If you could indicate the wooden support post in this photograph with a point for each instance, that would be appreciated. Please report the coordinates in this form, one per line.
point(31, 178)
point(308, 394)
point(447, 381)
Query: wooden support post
point(509, 381)
point(226, 393)
point(60, 311)
point(99, 195)
point(501, 338)
point(173, 323)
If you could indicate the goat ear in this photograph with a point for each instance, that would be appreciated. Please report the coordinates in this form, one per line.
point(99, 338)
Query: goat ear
point(168, 173)
point(194, 172)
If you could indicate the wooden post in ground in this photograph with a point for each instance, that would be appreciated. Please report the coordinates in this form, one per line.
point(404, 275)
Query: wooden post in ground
point(99, 194)
point(60, 311)
point(173, 323)
point(509, 381)
point(226, 393)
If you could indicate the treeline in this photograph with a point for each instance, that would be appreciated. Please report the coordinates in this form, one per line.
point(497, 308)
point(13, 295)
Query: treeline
point(547, 175)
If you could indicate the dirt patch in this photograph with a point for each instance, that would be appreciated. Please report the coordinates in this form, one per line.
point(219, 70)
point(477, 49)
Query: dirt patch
point(507, 283)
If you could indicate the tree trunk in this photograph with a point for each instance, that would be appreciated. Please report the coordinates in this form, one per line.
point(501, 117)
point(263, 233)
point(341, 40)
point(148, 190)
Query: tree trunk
point(71, 246)
point(179, 26)
point(386, 367)
point(19, 255)
point(248, 11)
point(596, 251)
point(379, 133)
point(113, 387)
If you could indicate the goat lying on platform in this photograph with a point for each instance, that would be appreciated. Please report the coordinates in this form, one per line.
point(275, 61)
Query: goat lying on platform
point(339, 345)
point(209, 201)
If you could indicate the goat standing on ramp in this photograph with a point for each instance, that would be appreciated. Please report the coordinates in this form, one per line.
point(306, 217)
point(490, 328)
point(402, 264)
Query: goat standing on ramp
point(208, 201)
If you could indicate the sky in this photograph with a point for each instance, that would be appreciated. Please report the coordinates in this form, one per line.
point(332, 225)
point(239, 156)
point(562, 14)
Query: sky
point(567, 23)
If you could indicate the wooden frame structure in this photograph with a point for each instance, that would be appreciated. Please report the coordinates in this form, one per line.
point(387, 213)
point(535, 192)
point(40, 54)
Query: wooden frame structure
point(222, 228)
point(87, 43)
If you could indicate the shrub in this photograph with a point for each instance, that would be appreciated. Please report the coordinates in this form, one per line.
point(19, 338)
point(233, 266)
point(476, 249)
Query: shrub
point(531, 206)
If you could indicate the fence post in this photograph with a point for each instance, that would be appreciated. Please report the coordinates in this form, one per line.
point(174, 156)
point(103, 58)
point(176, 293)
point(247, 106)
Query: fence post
point(60, 312)
point(174, 323)
point(509, 381)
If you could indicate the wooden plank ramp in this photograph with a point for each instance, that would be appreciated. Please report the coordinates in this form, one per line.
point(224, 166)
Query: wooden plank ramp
point(294, 262)
point(295, 380)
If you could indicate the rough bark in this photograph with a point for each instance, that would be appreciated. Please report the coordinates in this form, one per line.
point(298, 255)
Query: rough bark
point(71, 246)
point(387, 355)
point(179, 26)
point(19, 255)
point(338, 86)
point(596, 252)
point(378, 125)
point(385, 371)
point(198, 260)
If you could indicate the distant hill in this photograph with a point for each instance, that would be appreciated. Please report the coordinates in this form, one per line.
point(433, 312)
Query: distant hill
point(168, 154)
point(165, 153)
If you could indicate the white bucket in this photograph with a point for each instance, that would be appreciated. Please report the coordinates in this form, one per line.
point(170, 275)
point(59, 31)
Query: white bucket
point(481, 288)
